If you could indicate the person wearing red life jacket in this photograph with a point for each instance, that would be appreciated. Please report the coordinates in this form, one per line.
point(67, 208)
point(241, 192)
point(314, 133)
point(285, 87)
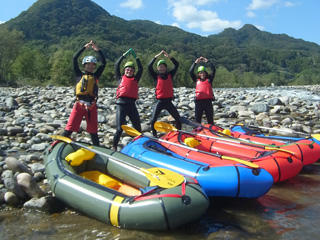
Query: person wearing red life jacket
point(164, 89)
point(127, 94)
point(86, 93)
point(204, 93)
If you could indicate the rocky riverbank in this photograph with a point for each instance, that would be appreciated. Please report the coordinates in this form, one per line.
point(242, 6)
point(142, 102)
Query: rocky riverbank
point(28, 116)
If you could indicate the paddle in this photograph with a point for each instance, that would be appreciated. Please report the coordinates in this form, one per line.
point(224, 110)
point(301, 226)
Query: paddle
point(195, 124)
point(133, 132)
point(161, 177)
point(166, 127)
point(279, 130)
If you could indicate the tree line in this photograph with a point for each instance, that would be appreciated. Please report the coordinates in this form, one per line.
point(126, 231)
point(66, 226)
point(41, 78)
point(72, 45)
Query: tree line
point(30, 63)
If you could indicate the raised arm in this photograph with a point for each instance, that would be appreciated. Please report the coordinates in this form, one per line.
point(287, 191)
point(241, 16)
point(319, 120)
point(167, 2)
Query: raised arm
point(213, 72)
point(76, 68)
point(151, 70)
point(117, 67)
point(191, 72)
point(100, 69)
point(176, 65)
point(140, 69)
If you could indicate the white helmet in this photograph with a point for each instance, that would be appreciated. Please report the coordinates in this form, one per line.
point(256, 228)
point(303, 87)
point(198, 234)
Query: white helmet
point(89, 59)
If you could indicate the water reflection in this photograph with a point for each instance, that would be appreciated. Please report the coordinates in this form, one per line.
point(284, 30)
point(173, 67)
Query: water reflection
point(291, 210)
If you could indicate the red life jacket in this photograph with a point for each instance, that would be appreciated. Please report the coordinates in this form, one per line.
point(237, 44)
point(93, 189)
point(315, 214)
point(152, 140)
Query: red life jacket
point(128, 87)
point(204, 90)
point(164, 88)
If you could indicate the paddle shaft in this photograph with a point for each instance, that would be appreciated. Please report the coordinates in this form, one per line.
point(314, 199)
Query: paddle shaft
point(194, 124)
point(280, 130)
point(224, 139)
point(110, 157)
point(207, 153)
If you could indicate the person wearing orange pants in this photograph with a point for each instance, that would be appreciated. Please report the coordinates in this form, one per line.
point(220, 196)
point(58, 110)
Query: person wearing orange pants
point(86, 93)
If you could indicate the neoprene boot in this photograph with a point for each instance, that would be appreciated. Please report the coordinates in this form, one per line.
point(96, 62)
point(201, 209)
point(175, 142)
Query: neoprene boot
point(95, 139)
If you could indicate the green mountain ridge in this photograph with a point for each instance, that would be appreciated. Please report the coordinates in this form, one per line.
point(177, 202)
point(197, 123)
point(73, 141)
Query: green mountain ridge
point(248, 53)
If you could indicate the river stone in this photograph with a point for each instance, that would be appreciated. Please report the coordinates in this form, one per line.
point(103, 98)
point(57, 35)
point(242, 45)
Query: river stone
point(259, 108)
point(111, 120)
point(101, 119)
point(3, 132)
point(306, 129)
point(245, 113)
point(14, 130)
point(11, 103)
point(145, 127)
point(37, 204)
point(126, 140)
point(16, 166)
point(261, 116)
point(276, 109)
point(37, 167)
point(238, 108)
point(7, 174)
point(29, 185)
point(2, 153)
point(38, 176)
point(287, 121)
point(2, 193)
point(32, 157)
point(39, 146)
point(11, 199)
point(275, 101)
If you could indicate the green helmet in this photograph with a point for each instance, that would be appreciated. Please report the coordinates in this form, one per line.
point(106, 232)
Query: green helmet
point(202, 69)
point(161, 62)
point(129, 64)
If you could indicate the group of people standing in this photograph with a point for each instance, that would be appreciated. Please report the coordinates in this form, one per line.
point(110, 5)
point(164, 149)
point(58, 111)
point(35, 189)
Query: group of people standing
point(86, 91)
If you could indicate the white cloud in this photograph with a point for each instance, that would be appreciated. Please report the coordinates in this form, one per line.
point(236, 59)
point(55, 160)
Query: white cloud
point(259, 27)
point(289, 4)
point(193, 2)
point(133, 4)
point(175, 25)
point(157, 22)
point(186, 11)
point(251, 14)
point(2, 22)
point(261, 4)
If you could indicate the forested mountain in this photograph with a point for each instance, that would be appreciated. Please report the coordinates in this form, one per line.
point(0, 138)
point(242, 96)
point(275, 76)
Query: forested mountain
point(44, 38)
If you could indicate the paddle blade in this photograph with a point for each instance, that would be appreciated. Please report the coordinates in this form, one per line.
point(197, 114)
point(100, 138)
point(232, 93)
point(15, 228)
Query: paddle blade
point(192, 142)
point(316, 136)
point(130, 131)
point(61, 138)
point(280, 150)
point(163, 177)
point(164, 127)
point(249, 164)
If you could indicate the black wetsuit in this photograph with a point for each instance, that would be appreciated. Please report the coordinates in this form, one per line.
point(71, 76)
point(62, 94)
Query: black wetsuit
point(87, 98)
point(164, 103)
point(203, 105)
point(126, 106)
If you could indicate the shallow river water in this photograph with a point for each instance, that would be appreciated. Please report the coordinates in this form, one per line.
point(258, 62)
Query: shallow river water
point(291, 210)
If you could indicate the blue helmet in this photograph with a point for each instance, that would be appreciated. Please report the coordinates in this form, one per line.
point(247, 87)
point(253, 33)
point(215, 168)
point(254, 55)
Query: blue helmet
point(89, 59)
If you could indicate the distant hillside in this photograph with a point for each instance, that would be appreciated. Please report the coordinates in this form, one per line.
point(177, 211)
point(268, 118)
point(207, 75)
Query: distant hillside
point(50, 25)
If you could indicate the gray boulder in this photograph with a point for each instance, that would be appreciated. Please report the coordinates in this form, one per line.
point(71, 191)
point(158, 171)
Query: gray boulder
point(259, 108)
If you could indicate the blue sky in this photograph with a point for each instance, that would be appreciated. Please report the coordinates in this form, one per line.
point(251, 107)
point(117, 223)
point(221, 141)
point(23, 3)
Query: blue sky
point(297, 18)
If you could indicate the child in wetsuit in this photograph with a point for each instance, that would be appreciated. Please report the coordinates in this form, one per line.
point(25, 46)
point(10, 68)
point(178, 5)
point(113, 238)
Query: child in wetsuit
point(164, 89)
point(86, 93)
point(127, 94)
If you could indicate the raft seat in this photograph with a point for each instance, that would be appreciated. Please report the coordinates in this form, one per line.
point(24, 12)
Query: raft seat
point(109, 182)
point(77, 159)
